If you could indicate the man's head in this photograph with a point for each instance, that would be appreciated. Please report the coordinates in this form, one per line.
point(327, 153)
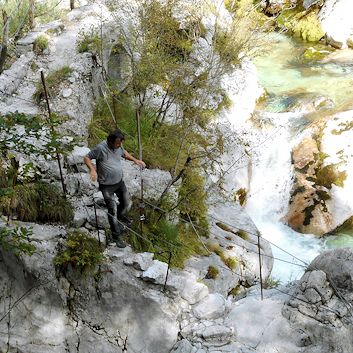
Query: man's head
point(115, 139)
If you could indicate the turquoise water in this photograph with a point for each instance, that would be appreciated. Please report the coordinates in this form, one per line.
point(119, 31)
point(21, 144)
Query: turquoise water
point(285, 74)
point(340, 240)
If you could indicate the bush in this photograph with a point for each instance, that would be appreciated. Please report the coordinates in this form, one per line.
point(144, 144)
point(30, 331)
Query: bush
point(40, 202)
point(240, 196)
point(52, 81)
point(89, 41)
point(40, 44)
point(81, 251)
point(17, 240)
point(165, 237)
point(271, 283)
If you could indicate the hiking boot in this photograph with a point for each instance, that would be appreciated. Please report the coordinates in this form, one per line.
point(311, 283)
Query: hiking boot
point(120, 243)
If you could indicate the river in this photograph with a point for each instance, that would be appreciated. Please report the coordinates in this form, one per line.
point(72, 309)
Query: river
point(287, 78)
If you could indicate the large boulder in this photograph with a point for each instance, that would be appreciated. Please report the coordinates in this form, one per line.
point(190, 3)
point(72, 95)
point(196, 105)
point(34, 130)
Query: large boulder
point(336, 20)
point(323, 166)
point(311, 316)
point(320, 306)
point(233, 252)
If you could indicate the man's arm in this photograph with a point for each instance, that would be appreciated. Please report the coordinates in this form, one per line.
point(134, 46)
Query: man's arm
point(129, 157)
point(91, 167)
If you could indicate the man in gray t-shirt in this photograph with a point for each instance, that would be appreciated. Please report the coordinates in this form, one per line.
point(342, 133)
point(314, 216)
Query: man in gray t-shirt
point(109, 173)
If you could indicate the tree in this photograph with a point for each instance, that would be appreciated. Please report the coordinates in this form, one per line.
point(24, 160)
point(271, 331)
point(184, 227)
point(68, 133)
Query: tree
point(31, 14)
point(187, 61)
point(5, 39)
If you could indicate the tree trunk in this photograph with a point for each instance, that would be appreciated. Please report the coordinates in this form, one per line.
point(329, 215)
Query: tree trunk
point(72, 4)
point(31, 13)
point(5, 39)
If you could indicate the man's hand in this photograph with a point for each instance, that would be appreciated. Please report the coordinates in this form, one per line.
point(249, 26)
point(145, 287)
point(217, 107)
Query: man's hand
point(129, 157)
point(93, 174)
point(140, 163)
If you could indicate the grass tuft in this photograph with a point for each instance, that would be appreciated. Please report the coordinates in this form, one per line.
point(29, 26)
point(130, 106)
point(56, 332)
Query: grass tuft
point(52, 81)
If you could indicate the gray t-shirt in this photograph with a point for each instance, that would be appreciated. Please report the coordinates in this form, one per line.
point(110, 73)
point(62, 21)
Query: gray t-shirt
point(109, 168)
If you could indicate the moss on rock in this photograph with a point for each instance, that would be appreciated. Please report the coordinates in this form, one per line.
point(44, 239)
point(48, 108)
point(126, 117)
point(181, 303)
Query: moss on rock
point(309, 28)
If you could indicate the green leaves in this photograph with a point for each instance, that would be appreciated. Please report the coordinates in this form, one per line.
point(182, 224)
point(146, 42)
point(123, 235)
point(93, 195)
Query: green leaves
point(32, 135)
point(80, 251)
point(17, 240)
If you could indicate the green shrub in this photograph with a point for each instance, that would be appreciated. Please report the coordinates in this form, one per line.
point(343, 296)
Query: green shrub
point(39, 202)
point(192, 199)
point(231, 262)
point(164, 238)
point(242, 234)
point(271, 283)
point(17, 240)
point(236, 290)
point(240, 196)
point(40, 44)
point(212, 272)
point(81, 251)
point(52, 81)
point(89, 41)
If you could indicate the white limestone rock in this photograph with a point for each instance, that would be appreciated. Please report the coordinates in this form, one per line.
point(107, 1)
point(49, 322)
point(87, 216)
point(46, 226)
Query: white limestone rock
point(156, 273)
point(193, 291)
point(318, 305)
point(211, 307)
point(336, 143)
point(308, 3)
point(98, 198)
point(255, 314)
point(184, 346)
point(80, 217)
point(140, 261)
point(26, 43)
point(216, 334)
point(66, 92)
point(75, 158)
point(336, 20)
point(123, 308)
point(102, 218)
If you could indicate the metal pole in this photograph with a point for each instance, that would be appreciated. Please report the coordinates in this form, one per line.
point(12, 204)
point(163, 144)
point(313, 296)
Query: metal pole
point(166, 277)
point(142, 206)
point(95, 214)
point(261, 285)
point(52, 129)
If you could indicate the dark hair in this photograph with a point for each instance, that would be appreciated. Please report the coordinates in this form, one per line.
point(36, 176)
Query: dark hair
point(115, 135)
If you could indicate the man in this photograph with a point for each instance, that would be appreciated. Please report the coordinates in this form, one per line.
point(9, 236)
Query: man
point(110, 178)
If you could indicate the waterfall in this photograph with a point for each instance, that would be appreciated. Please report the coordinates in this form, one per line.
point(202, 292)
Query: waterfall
point(269, 193)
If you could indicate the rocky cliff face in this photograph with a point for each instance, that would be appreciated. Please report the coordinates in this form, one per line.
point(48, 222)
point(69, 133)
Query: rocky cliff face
point(322, 168)
point(125, 307)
